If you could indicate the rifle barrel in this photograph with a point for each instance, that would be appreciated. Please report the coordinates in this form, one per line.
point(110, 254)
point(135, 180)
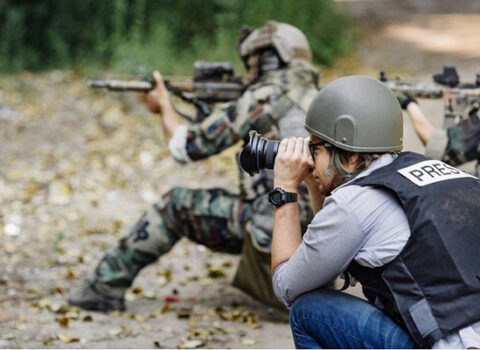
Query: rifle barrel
point(121, 85)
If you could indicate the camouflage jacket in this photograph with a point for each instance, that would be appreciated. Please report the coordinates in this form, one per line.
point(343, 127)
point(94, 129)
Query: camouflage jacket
point(275, 107)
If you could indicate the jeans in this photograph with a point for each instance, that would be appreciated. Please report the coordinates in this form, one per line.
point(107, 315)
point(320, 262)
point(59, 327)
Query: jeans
point(327, 318)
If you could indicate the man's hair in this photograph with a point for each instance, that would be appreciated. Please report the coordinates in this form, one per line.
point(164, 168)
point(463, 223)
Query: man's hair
point(363, 162)
point(364, 159)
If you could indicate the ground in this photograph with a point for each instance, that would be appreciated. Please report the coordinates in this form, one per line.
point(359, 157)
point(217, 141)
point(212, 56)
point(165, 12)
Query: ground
point(77, 168)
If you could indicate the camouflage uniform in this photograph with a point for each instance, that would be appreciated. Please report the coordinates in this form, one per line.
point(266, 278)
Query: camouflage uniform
point(457, 144)
point(274, 106)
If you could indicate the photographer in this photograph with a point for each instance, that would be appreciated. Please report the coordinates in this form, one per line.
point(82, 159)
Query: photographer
point(404, 226)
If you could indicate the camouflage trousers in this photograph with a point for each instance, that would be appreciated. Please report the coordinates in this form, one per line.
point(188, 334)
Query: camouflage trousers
point(212, 217)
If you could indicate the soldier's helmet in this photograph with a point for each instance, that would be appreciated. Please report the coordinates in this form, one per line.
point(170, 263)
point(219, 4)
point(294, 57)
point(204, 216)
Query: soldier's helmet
point(288, 41)
point(357, 114)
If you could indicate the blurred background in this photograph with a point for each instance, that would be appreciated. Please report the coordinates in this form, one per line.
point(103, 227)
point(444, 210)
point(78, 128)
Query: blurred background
point(77, 167)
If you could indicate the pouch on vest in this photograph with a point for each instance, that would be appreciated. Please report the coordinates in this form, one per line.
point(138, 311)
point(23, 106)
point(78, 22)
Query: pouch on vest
point(253, 275)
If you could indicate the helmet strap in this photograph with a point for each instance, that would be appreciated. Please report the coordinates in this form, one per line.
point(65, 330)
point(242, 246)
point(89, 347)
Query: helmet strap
point(335, 159)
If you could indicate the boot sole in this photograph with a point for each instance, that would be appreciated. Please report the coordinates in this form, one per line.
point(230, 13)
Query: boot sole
point(98, 306)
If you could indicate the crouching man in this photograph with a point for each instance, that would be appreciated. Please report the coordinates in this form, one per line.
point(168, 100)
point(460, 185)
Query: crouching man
point(405, 226)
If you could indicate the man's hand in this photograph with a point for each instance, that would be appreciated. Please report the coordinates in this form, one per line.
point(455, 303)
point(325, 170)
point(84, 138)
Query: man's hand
point(292, 164)
point(404, 99)
point(158, 99)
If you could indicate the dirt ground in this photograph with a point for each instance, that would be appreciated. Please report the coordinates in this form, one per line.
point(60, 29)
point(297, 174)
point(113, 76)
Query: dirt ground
point(77, 168)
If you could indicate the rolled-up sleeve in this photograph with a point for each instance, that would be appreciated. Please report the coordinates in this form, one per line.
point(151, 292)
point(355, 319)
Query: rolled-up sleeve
point(329, 245)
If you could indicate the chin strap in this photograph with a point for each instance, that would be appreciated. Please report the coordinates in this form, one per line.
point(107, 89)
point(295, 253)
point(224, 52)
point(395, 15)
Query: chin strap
point(335, 159)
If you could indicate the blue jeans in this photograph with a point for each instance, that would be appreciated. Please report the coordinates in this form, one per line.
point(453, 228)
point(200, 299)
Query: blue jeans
point(326, 318)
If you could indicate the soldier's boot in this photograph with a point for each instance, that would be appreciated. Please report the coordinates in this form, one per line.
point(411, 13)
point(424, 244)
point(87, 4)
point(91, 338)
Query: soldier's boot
point(97, 296)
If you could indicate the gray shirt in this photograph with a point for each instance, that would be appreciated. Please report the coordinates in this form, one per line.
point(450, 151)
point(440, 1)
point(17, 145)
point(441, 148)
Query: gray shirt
point(360, 223)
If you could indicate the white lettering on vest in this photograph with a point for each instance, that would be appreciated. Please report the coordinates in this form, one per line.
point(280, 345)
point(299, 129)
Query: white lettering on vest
point(431, 171)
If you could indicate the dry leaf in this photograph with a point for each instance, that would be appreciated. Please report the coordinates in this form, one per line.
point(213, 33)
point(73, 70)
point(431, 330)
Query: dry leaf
point(63, 321)
point(67, 339)
point(48, 340)
point(115, 331)
point(215, 272)
point(137, 290)
point(191, 344)
point(249, 342)
point(21, 326)
point(87, 318)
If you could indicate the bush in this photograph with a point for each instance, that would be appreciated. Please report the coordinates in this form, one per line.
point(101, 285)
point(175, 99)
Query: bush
point(138, 35)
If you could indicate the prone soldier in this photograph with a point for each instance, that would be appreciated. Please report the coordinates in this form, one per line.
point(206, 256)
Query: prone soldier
point(282, 83)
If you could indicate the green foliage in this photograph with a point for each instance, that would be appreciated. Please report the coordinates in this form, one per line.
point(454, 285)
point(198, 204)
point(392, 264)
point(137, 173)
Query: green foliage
point(136, 36)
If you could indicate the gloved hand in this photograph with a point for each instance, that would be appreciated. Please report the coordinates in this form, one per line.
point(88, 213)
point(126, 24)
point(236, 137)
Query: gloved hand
point(404, 99)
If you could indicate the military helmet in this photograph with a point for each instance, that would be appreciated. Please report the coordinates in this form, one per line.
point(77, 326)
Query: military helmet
point(288, 41)
point(357, 114)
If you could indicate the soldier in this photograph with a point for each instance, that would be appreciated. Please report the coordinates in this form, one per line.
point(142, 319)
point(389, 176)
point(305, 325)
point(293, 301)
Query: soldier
point(456, 145)
point(283, 82)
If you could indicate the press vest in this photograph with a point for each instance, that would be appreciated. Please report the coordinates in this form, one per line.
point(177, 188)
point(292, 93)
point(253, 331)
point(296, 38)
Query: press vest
point(432, 288)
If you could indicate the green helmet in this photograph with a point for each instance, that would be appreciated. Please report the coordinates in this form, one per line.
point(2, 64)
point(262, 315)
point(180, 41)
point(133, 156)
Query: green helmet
point(357, 114)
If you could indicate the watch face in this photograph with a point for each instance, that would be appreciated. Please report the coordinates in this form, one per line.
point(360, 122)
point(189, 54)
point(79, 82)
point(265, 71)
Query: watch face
point(276, 197)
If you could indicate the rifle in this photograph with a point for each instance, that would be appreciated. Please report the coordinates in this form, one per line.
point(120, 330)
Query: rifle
point(460, 100)
point(212, 82)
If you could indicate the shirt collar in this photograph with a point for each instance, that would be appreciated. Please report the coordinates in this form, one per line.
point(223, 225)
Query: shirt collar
point(384, 160)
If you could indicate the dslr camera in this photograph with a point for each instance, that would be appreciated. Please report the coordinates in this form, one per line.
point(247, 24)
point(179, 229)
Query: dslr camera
point(258, 154)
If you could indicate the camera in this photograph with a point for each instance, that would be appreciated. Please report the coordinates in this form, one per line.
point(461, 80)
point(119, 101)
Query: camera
point(258, 154)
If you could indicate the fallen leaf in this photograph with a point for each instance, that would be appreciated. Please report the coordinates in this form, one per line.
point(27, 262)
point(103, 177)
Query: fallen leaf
point(191, 344)
point(115, 331)
point(58, 289)
point(67, 339)
point(63, 321)
point(48, 340)
point(87, 318)
point(249, 342)
point(71, 274)
point(137, 290)
point(215, 272)
point(21, 326)
point(171, 298)
point(227, 263)
point(184, 313)
point(146, 326)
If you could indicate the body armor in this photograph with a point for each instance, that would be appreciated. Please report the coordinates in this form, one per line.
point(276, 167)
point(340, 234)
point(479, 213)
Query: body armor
point(432, 288)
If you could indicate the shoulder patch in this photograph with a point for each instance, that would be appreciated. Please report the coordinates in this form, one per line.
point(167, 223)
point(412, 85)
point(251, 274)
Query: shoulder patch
point(432, 171)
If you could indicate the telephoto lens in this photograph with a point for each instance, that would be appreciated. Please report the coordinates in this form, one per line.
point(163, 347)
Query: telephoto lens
point(258, 154)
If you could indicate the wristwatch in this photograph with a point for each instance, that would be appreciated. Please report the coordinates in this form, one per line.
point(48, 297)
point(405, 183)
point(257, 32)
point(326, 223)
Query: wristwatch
point(279, 197)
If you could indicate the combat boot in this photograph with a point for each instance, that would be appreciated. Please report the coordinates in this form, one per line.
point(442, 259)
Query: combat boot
point(97, 296)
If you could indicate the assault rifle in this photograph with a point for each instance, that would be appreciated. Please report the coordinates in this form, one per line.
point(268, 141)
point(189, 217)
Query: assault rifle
point(460, 100)
point(212, 82)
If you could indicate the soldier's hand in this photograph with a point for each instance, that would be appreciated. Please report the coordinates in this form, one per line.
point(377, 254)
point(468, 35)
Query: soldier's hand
point(158, 99)
point(292, 164)
point(404, 99)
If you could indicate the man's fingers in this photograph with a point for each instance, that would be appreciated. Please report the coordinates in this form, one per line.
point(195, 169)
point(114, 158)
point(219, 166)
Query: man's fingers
point(299, 142)
point(158, 78)
point(283, 146)
point(291, 145)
